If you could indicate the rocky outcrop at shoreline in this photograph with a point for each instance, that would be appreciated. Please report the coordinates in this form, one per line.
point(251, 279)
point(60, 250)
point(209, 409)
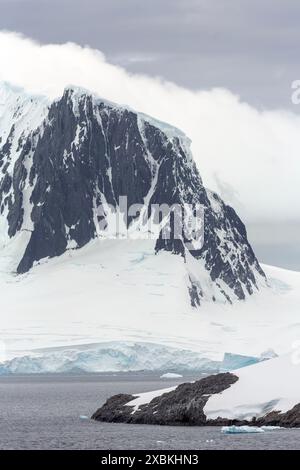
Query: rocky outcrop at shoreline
point(184, 406)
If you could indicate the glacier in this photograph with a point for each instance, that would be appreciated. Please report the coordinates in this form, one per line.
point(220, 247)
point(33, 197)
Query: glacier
point(121, 356)
point(110, 357)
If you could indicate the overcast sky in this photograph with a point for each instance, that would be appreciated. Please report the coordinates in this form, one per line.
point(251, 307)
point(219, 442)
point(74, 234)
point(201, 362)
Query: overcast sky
point(248, 46)
point(251, 48)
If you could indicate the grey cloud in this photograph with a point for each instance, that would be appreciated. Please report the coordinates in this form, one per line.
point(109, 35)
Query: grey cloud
point(277, 243)
point(249, 47)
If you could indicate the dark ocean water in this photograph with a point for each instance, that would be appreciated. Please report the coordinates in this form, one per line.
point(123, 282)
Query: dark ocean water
point(43, 412)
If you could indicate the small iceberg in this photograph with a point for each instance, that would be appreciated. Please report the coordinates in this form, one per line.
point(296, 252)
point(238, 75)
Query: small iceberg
point(271, 428)
point(171, 375)
point(241, 430)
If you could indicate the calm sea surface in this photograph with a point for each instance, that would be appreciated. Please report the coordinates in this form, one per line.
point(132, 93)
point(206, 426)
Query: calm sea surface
point(45, 412)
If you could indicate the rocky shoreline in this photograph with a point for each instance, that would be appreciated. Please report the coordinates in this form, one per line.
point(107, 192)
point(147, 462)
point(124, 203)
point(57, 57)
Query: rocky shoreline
point(184, 406)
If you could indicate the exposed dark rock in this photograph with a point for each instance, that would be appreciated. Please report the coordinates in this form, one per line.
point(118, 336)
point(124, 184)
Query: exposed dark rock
point(184, 406)
point(114, 410)
point(290, 419)
point(87, 151)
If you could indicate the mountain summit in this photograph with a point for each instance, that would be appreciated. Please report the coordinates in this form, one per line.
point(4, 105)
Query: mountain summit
point(62, 162)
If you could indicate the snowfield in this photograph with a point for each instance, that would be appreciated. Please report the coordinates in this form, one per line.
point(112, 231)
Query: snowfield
point(120, 291)
point(272, 385)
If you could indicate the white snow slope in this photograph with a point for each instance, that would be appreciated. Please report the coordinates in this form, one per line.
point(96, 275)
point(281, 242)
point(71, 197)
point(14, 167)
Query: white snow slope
point(119, 290)
point(261, 388)
point(146, 397)
point(273, 385)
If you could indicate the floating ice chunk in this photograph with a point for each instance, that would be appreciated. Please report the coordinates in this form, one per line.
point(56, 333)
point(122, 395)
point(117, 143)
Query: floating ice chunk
point(248, 429)
point(271, 428)
point(241, 429)
point(170, 375)
point(83, 417)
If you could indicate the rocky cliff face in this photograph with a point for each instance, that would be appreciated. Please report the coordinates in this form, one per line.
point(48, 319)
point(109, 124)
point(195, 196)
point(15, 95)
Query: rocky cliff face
point(60, 162)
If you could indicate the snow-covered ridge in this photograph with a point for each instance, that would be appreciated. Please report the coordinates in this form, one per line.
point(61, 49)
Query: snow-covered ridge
point(18, 105)
point(10, 93)
point(22, 112)
point(79, 93)
point(20, 115)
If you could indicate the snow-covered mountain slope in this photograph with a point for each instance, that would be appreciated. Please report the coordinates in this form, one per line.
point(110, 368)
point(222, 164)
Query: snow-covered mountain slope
point(20, 115)
point(60, 162)
point(121, 291)
point(272, 385)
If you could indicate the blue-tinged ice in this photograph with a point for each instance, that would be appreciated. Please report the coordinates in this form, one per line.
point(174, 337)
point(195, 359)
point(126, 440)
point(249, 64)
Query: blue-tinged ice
point(237, 361)
point(114, 356)
point(248, 429)
point(241, 430)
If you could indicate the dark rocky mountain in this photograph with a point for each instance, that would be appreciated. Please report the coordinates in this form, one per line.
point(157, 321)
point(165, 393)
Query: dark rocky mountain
point(61, 161)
